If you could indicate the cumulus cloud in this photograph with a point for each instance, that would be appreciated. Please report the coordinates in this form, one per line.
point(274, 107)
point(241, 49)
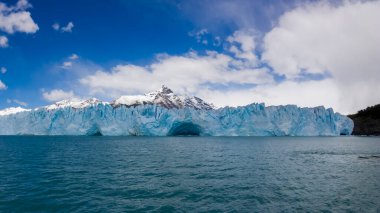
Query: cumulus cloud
point(58, 95)
point(243, 45)
point(316, 54)
point(185, 74)
point(16, 19)
point(340, 40)
point(3, 41)
point(3, 86)
point(65, 29)
point(3, 70)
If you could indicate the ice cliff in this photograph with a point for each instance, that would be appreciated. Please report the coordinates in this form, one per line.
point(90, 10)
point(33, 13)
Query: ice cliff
point(163, 113)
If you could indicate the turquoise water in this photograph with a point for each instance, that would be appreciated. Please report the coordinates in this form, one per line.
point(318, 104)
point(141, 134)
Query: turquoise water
point(189, 174)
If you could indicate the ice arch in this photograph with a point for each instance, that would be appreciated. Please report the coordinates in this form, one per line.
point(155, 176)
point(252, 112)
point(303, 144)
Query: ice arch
point(94, 131)
point(185, 129)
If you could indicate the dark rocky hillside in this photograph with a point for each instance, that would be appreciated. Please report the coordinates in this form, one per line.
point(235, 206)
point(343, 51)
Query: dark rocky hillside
point(367, 121)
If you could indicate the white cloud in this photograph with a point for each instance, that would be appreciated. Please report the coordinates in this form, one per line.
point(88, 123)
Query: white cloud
point(3, 86)
point(203, 36)
point(16, 19)
point(3, 70)
point(74, 57)
point(304, 94)
point(184, 74)
point(65, 29)
point(55, 26)
point(342, 40)
point(23, 5)
point(16, 101)
point(68, 28)
point(200, 36)
point(68, 64)
point(20, 5)
point(242, 44)
point(58, 95)
point(3, 41)
point(311, 40)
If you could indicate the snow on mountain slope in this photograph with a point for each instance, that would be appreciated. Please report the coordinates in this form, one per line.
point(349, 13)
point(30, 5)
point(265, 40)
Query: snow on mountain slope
point(163, 97)
point(163, 113)
point(76, 104)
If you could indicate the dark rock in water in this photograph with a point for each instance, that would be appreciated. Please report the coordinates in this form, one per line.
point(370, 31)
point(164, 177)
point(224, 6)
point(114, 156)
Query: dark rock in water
point(367, 121)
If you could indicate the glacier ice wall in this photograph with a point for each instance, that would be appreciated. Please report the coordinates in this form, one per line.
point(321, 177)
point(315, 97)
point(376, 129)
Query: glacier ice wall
point(155, 120)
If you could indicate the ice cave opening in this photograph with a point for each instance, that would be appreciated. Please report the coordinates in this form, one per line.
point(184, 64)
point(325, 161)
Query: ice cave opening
point(94, 131)
point(185, 129)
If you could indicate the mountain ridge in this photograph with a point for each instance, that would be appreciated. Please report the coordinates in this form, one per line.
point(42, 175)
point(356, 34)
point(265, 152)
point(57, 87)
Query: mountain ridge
point(367, 121)
point(164, 97)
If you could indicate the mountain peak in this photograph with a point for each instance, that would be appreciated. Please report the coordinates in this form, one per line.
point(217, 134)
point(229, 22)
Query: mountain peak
point(166, 90)
point(164, 97)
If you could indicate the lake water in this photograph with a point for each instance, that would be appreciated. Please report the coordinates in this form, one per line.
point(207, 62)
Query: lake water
point(191, 174)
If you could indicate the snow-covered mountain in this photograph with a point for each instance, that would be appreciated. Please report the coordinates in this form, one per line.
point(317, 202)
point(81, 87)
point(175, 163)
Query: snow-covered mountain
point(163, 113)
point(75, 104)
point(165, 98)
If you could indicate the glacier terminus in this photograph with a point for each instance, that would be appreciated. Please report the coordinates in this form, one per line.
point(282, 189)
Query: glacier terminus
point(163, 113)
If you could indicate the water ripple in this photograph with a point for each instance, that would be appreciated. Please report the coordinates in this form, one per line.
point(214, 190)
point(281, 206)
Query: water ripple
point(180, 174)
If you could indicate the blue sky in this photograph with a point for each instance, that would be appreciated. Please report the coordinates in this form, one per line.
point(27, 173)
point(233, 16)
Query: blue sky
point(105, 32)
point(227, 52)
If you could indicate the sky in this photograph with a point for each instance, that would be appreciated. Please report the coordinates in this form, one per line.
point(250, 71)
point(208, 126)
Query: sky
point(227, 52)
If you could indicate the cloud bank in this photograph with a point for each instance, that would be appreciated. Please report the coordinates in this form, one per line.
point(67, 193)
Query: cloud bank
point(315, 54)
point(339, 40)
point(189, 73)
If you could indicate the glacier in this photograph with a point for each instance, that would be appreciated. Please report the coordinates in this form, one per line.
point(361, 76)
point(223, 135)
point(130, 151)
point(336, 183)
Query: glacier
point(163, 113)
